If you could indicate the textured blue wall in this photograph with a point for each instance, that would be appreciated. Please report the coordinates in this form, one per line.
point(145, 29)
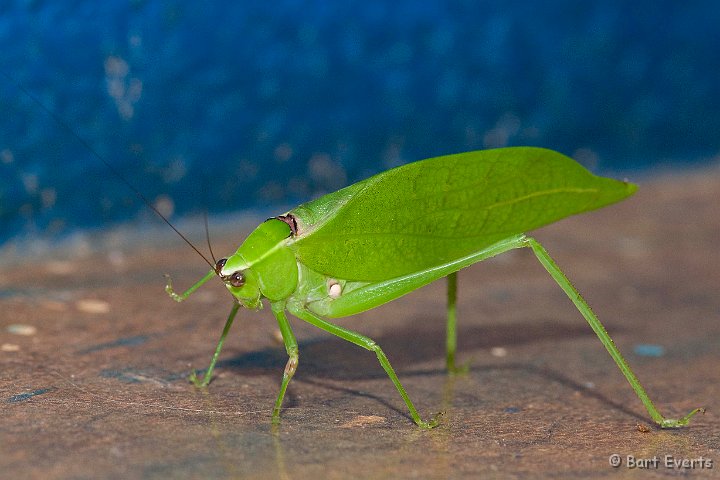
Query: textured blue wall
point(235, 105)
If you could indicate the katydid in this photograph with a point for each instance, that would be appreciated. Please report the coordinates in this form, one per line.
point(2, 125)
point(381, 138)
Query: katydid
point(383, 237)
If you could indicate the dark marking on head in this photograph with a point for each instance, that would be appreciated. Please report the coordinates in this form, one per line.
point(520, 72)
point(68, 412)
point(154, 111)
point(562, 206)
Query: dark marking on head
point(236, 279)
point(219, 265)
point(290, 220)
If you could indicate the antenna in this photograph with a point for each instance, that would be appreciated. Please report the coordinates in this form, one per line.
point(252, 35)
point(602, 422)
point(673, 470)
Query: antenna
point(207, 236)
point(85, 144)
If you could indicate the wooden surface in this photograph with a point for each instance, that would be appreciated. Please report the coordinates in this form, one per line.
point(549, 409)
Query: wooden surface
point(94, 355)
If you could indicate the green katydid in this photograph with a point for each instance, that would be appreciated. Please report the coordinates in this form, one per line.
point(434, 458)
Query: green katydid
point(383, 237)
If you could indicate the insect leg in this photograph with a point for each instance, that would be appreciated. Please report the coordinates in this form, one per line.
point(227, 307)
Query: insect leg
point(368, 344)
point(291, 347)
point(374, 294)
point(179, 297)
point(194, 379)
point(600, 331)
point(451, 341)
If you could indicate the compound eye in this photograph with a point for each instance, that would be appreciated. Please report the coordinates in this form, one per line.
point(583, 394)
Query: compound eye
point(219, 265)
point(237, 279)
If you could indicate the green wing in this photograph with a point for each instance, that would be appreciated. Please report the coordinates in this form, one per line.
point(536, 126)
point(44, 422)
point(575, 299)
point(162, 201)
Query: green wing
point(430, 212)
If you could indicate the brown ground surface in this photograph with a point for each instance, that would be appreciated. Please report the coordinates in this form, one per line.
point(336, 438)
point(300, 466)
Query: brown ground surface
point(96, 389)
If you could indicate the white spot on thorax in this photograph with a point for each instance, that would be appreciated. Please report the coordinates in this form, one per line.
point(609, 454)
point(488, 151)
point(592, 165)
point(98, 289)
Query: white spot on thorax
point(334, 289)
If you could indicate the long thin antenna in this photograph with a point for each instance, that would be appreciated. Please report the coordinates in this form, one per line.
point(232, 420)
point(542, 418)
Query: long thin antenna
point(207, 236)
point(85, 144)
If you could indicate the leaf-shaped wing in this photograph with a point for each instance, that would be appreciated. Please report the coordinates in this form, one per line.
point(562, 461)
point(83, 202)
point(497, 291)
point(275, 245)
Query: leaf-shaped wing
point(429, 212)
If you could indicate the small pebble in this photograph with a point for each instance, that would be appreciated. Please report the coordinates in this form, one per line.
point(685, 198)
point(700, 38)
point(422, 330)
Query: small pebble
point(642, 428)
point(363, 420)
point(90, 305)
point(647, 350)
point(9, 347)
point(20, 329)
point(498, 352)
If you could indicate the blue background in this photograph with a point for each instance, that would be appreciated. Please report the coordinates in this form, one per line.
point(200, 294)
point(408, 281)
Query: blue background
point(228, 106)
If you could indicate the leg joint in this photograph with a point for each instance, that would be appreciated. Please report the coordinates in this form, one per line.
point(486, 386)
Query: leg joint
point(291, 365)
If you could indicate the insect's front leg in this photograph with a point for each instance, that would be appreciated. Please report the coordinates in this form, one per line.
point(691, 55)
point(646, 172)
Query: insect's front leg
point(303, 313)
point(205, 380)
point(179, 297)
point(291, 346)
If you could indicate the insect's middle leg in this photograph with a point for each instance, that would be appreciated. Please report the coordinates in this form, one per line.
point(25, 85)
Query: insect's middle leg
point(451, 342)
point(368, 344)
point(291, 347)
